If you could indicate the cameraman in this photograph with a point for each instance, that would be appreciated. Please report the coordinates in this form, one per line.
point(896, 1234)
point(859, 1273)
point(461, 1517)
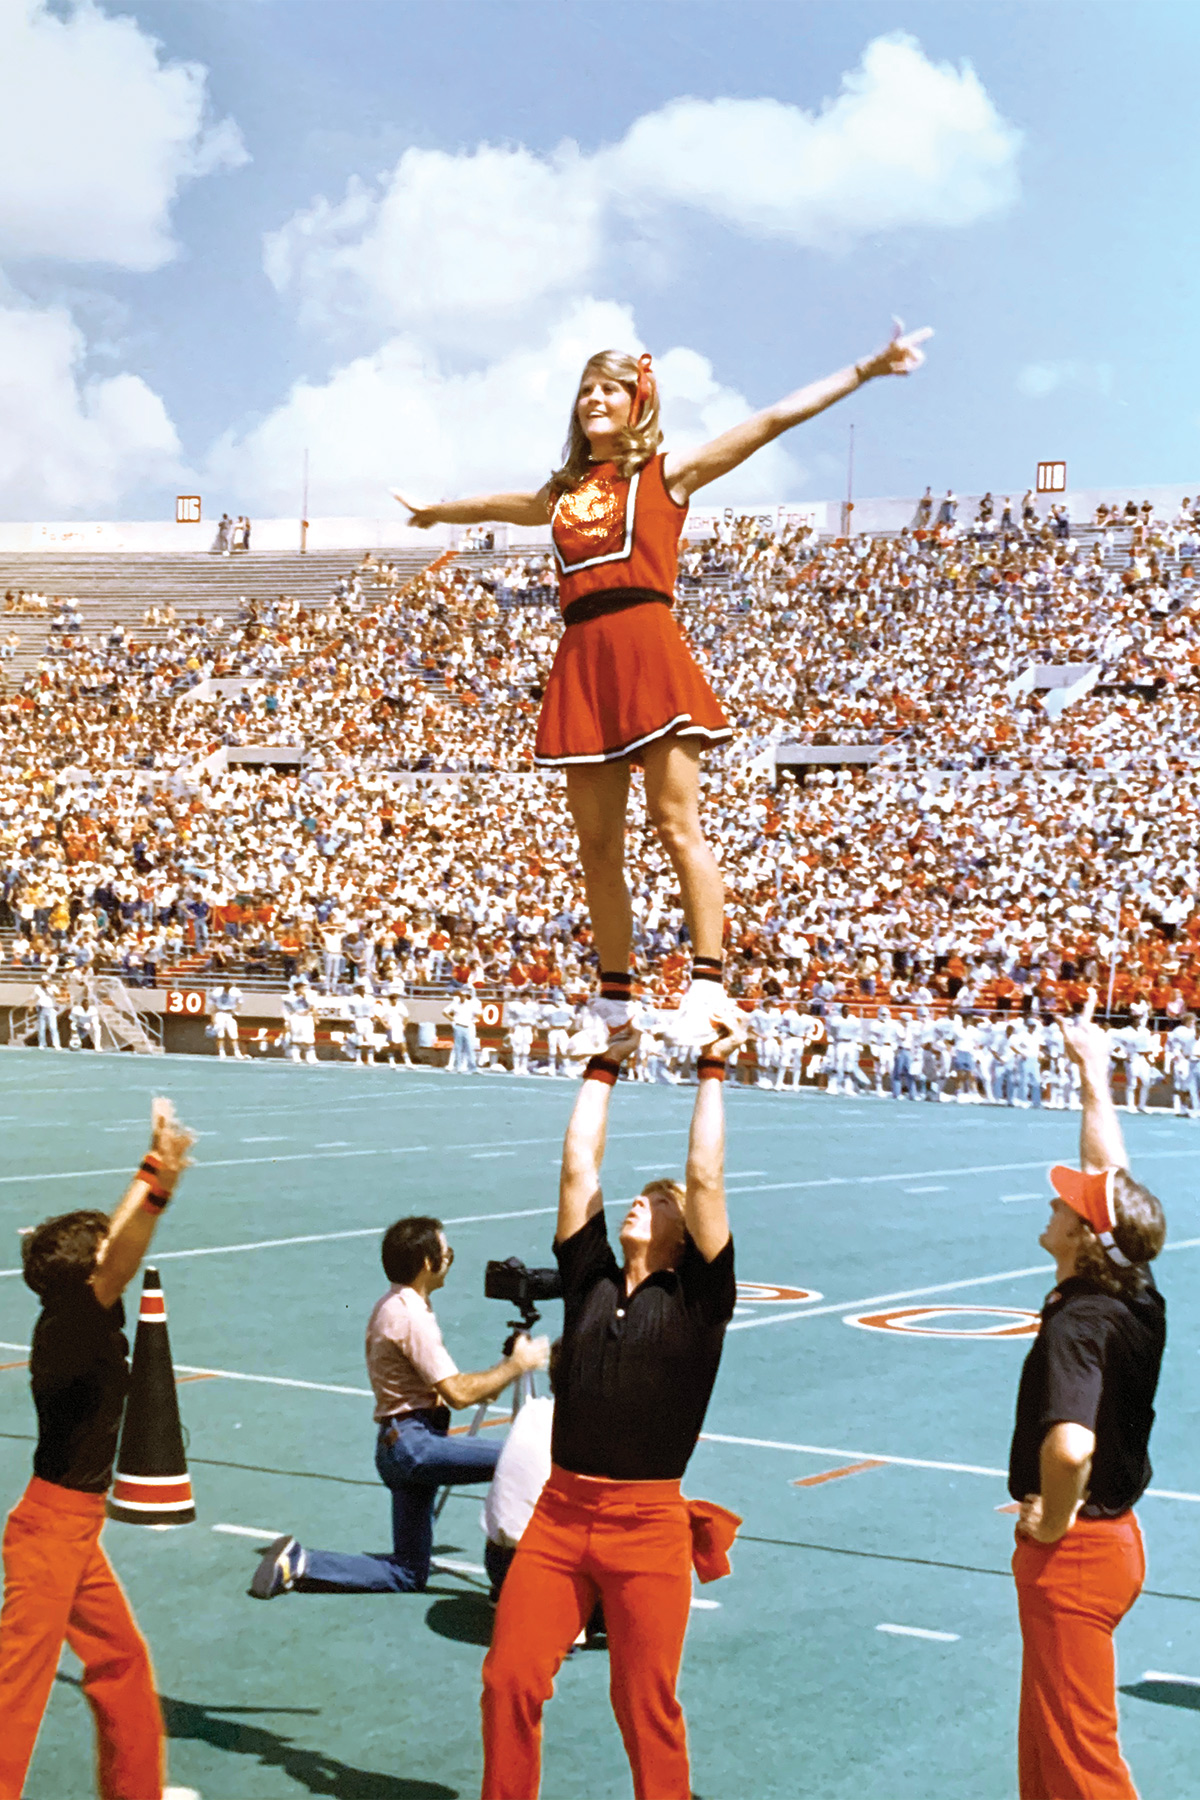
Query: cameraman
point(640, 1349)
point(412, 1374)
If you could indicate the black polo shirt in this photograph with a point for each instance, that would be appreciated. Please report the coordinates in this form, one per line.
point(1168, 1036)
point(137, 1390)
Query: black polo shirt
point(79, 1375)
point(636, 1371)
point(1095, 1363)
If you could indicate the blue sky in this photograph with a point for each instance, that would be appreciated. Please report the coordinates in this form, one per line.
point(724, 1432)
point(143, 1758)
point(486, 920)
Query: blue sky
point(237, 228)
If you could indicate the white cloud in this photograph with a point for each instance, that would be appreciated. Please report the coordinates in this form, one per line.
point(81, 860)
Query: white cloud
point(69, 445)
point(907, 142)
point(472, 238)
point(400, 417)
point(475, 239)
point(97, 135)
point(1039, 379)
point(471, 273)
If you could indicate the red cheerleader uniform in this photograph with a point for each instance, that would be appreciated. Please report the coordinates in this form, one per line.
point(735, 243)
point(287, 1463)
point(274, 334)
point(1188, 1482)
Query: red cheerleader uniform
point(622, 675)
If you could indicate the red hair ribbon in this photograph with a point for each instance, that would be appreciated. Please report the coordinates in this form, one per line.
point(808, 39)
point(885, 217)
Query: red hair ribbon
point(645, 389)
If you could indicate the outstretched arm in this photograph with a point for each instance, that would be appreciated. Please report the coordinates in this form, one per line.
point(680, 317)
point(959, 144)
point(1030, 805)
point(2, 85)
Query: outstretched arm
point(687, 470)
point(704, 1192)
point(579, 1194)
point(134, 1222)
point(482, 509)
point(1101, 1145)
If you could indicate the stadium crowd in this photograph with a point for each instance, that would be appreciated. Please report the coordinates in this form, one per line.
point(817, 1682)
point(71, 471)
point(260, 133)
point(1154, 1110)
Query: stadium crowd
point(979, 861)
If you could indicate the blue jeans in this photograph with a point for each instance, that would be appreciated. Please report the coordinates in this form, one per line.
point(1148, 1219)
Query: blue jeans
point(422, 1459)
point(902, 1075)
point(1026, 1082)
point(462, 1054)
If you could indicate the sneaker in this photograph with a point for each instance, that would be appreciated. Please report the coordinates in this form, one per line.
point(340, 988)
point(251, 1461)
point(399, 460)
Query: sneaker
point(614, 1015)
point(703, 1002)
point(279, 1569)
point(178, 1793)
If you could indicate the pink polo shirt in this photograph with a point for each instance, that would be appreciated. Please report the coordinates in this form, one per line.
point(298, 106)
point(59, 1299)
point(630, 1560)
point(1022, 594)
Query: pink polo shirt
point(405, 1354)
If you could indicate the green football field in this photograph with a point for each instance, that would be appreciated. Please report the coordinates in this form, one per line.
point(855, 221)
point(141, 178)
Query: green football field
point(866, 1644)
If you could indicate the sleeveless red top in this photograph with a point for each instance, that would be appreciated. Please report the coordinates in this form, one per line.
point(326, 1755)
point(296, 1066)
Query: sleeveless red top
point(612, 532)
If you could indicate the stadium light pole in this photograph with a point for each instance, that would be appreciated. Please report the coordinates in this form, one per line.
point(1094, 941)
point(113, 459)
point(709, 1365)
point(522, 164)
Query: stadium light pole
point(1116, 943)
point(304, 510)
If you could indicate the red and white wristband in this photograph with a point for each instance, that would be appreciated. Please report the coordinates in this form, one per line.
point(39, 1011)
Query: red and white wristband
point(150, 1171)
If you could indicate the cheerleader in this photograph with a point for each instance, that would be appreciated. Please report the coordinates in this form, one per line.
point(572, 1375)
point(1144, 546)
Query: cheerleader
point(624, 687)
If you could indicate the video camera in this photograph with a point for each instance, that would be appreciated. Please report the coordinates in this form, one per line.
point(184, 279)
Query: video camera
point(522, 1287)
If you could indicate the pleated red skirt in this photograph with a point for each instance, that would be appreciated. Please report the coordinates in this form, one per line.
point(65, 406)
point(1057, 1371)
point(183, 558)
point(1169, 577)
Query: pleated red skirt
point(620, 681)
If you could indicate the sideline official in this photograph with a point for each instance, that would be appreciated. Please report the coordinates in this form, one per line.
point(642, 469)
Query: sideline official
point(415, 1381)
point(1079, 1457)
point(641, 1345)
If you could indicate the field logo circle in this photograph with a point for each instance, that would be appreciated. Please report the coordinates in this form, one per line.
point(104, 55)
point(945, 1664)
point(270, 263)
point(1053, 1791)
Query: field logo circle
point(936, 1321)
point(768, 1293)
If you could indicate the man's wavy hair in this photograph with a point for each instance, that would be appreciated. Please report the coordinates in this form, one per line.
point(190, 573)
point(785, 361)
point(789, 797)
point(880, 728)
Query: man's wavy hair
point(634, 447)
point(60, 1254)
point(1140, 1233)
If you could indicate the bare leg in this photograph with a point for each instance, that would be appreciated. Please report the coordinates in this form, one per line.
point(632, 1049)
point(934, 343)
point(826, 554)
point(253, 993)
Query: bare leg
point(673, 803)
point(597, 794)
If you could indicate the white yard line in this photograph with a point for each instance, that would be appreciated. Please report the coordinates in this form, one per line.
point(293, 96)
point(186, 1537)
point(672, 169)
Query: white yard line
point(323, 1237)
point(840, 1452)
point(314, 1155)
point(919, 1631)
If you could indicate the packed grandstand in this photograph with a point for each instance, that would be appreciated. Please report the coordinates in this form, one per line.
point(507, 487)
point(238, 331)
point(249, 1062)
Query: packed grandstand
point(1024, 694)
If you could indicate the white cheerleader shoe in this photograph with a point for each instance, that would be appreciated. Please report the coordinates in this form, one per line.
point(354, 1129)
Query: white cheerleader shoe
point(704, 1005)
point(613, 1015)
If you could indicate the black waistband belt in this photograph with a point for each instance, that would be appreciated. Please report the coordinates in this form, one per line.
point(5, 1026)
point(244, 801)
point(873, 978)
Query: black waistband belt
point(610, 600)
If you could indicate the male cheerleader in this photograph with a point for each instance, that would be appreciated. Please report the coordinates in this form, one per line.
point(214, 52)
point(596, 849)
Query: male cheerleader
point(1079, 1459)
point(58, 1584)
point(641, 1343)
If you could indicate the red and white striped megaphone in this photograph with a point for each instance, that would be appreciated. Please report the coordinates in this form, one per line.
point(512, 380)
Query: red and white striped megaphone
point(152, 1485)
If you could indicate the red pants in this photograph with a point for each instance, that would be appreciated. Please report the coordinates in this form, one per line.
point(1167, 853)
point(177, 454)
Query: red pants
point(58, 1584)
point(1072, 1596)
point(630, 1545)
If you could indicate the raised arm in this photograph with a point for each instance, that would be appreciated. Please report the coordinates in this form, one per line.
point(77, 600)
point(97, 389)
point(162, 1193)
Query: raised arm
point(685, 471)
point(1101, 1144)
point(704, 1184)
point(136, 1219)
point(481, 509)
point(579, 1193)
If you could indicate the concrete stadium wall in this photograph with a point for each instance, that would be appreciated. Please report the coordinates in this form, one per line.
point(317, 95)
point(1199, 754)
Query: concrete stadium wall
point(388, 532)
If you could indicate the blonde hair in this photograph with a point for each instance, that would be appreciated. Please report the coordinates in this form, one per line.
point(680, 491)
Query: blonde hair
point(663, 1188)
point(636, 444)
